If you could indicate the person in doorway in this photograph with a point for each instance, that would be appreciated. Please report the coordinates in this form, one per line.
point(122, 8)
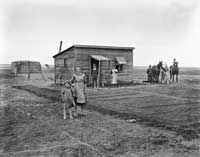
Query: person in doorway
point(114, 75)
point(79, 81)
point(94, 75)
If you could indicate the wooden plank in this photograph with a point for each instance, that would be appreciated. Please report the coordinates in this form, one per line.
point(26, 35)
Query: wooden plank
point(54, 72)
point(99, 74)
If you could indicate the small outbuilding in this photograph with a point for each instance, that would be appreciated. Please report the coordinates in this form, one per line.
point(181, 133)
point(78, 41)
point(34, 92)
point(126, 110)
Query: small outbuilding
point(86, 56)
point(26, 67)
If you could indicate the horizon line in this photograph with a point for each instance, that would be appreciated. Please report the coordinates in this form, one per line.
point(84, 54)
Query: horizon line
point(133, 65)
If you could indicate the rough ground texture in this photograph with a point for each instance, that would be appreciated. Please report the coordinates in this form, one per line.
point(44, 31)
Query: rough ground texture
point(31, 125)
point(174, 107)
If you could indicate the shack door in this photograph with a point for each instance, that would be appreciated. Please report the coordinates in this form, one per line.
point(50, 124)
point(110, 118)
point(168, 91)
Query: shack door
point(96, 60)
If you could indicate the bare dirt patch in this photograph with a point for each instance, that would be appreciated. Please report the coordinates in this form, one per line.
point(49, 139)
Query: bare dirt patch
point(32, 125)
point(155, 108)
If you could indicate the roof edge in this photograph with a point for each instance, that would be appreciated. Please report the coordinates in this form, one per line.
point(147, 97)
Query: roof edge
point(63, 51)
point(102, 47)
point(95, 46)
point(25, 61)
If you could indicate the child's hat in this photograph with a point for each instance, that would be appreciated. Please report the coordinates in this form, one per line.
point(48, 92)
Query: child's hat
point(67, 84)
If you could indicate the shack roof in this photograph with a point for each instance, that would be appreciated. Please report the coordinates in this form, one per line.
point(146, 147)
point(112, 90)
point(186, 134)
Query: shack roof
point(95, 47)
point(100, 58)
point(24, 61)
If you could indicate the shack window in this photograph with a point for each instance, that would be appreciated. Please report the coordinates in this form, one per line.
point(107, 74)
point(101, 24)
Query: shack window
point(68, 62)
point(119, 63)
point(119, 67)
point(59, 62)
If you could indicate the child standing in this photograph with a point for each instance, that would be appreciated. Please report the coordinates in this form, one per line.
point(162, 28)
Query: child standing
point(67, 98)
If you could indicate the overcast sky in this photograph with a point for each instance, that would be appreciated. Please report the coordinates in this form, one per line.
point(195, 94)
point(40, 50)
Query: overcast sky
point(159, 29)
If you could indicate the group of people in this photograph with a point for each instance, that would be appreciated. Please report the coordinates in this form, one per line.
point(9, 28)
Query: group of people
point(95, 76)
point(73, 92)
point(164, 70)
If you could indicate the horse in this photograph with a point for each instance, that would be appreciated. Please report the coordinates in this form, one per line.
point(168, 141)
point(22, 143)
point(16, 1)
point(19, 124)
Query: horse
point(174, 70)
point(156, 72)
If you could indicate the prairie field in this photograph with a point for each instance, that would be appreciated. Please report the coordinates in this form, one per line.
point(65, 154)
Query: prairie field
point(166, 118)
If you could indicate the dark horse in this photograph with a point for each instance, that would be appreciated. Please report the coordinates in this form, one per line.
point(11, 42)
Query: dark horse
point(156, 72)
point(174, 70)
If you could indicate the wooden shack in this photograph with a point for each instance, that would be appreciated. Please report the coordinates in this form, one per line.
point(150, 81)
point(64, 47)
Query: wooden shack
point(85, 56)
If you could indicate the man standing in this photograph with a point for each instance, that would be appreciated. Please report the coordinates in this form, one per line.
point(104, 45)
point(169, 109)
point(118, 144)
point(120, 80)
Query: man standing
point(94, 76)
point(149, 73)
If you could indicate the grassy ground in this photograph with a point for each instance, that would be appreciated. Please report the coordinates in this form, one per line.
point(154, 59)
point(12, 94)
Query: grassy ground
point(33, 126)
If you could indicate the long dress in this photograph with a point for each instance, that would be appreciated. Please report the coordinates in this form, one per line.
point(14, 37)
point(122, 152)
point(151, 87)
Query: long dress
point(67, 97)
point(166, 73)
point(114, 76)
point(79, 85)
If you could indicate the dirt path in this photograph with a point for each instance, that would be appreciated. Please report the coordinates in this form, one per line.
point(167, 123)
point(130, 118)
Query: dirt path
point(31, 125)
point(37, 129)
point(152, 116)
